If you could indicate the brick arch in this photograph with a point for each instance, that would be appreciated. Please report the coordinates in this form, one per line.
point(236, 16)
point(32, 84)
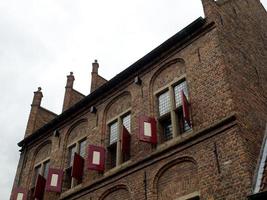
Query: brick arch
point(117, 105)
point(176, 179)
point(42, 152)
point(116, 193)
point(73, 134)
point(165, 75)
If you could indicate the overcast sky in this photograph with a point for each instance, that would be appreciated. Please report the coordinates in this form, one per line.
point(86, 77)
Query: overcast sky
point(41, 41)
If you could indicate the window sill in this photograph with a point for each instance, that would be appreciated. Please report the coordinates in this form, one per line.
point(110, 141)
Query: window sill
point(118, 168)
point(175, 140)
point(71, 190)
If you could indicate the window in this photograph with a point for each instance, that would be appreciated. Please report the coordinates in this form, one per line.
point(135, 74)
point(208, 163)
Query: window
point(164, 103)
point(42, 169)
point(170, 111)
point(115, 155)
point(78, 147)
point(71, 153)
point(113, 132)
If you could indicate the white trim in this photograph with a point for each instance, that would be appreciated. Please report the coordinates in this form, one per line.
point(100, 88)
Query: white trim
point(263, 157)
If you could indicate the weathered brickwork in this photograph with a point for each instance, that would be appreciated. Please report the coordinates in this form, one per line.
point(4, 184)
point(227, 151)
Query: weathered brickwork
point(224, 64)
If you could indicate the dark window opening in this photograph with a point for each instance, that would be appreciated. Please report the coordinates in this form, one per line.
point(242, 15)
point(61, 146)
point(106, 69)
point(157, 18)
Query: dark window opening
point(112, 156)
point(166, 128)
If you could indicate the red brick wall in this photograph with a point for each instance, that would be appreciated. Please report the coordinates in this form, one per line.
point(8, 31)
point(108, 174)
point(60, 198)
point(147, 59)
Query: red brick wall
point(218, 157)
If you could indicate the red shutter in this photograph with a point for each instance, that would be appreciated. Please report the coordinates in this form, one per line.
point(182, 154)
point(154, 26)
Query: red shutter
point(148, 129)
point(54, 180)
point(125, 141)
point(186, 112)
point(77, 167)
point(96, 158)
point(39, 187)
point(19, 193)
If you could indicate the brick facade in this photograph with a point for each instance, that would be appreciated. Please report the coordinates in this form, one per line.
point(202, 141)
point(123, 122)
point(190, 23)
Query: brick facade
point(223, 59)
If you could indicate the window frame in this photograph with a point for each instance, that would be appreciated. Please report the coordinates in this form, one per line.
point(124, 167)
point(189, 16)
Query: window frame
point(40, 164)
point(110, 147)
point(175, 115)
point(76, 146)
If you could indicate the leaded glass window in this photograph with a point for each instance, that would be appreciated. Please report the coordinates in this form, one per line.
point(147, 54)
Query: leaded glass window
point(167, 130)
point(164, 103)
point(37, 171)
point(82, 148)
point(72, 151)
point(177, 92)
point(113, 128)
point(126, 121)
point(46, 168)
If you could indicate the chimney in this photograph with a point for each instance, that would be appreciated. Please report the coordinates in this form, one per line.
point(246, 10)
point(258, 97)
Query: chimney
point(95, 67)
point(36, 103)
point(68, 91)
point(96, 80)
point(70, 80)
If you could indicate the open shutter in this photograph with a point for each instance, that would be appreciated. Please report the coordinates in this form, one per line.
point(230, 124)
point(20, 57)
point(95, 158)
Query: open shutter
point(186, 112)
point(54, 180)
point(148, 129)
point(39, 187)
point(125, 141)
point(96, 158)
point(77, 167)
point(19, 194)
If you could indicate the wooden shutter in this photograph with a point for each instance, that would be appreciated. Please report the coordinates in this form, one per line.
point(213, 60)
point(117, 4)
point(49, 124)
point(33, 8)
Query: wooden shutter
point(77, 167)
point(54, 180)
point(19, 194)
point(96, 158)
point(185, 105)
point(148, 129)
point(125, 141)
point(39, 187)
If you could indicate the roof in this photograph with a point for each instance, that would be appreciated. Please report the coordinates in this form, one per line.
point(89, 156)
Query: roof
point(179, 38)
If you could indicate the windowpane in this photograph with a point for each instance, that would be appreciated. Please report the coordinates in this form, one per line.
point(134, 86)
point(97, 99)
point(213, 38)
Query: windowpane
point(82, 147)
point(167, 130)
point(113, 131)
point(37, 170)
point(127, 122)
point(186, 126)
point(164, 103)
point(72, 150)
point(177, 91)
point(46, 168)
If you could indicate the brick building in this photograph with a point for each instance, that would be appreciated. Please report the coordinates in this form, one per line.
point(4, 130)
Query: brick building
point(186, 121)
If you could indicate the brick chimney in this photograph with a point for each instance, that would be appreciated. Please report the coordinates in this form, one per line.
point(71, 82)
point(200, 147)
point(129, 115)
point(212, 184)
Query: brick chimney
point(71, 96)
point(38, 116)
point(36, 103)
point(68, 91)
point(96, 79)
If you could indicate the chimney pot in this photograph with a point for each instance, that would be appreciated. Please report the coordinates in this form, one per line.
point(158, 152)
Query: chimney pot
point(95, 67)
point(37, 97)
point(70, 80)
